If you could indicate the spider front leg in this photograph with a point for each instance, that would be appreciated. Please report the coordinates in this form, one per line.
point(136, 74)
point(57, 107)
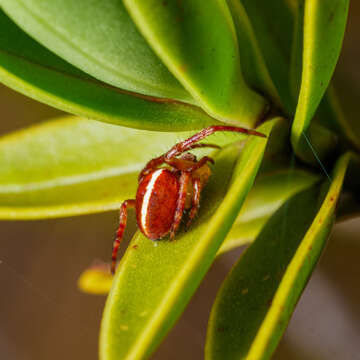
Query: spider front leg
point(185, 177)
point(183, 146)
point(151, 165)
point(120, 231)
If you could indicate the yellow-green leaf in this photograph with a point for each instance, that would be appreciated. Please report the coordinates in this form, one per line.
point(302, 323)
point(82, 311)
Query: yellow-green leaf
point(71, 166)
point(255, 303)
point(155, 280)
point(270, 191)
point(324, 26)
point(206, 62)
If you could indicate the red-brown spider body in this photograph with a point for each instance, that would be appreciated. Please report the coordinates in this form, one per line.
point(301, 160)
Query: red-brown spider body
point(168, 185)
point(156, 200)
point(158, 196)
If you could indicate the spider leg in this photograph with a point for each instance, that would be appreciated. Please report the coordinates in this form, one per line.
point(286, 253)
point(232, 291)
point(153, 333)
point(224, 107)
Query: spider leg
point(195, 201)
point(200, 163)
point(189, 143)
point(201, 145)
point(185, 177)
point(151, 165)
point(120, 231)
point(184, 145)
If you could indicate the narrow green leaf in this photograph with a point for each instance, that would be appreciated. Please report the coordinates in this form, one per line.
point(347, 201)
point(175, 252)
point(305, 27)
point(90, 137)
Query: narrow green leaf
point(155, 280)
point(270, 191)
point(317, 139)
point(206, 62)
point(31, 69)
point(99, 38)
point(265, 45)
point(70, 166)
point(324, 26)
point(256, 301)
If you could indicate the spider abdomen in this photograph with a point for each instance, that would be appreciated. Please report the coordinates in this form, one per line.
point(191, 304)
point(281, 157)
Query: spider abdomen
point(156, 200)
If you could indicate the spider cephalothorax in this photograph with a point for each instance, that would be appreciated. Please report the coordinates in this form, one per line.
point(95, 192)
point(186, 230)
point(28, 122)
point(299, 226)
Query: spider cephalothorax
point(168, 185)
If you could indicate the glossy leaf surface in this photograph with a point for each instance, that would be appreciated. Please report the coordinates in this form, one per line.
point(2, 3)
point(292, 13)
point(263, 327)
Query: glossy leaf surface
point(324, 26)
point(206, 62)
point(31, 69)
point(71, 166)
point(99, 38)
point(255, 303)
point(155, 280)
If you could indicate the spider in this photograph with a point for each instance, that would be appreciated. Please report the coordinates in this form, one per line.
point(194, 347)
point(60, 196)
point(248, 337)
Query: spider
point(169, 185)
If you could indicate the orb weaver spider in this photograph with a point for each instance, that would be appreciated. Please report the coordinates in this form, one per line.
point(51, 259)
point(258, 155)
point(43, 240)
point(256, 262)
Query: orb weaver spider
point(165, 192)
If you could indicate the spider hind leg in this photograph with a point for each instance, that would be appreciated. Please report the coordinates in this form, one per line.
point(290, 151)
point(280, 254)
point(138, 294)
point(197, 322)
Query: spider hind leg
point(120, 231)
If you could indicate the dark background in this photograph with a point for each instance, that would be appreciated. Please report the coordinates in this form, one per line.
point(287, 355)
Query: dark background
point(44, 316)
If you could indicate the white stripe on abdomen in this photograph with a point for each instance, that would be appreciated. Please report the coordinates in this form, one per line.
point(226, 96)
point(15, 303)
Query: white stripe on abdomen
point(145, 204)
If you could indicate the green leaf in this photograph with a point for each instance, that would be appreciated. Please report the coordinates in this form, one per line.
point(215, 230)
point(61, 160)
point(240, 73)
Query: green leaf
point(324, 26)
point(99, 38)
point(269, 192)
point(206, 62)
point(34, 71)
point(331, 114)
point(317, 139)
point(255, 303)
point(71, 166)
point(155, 280)
point(265, 45)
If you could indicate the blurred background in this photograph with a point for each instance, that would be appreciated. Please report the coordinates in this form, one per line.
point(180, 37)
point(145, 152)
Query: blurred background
point(44, 316)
